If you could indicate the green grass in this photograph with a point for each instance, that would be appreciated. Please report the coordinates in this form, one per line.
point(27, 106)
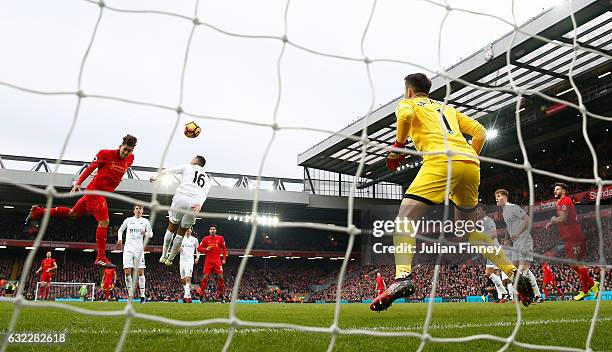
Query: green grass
point(550, 323)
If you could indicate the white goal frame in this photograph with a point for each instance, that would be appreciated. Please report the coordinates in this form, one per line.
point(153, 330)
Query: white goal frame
point(53, 283)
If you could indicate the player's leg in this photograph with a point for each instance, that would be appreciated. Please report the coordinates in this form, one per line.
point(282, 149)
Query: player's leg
point(170, 231)
point(497, 281)
point(142, 281)
point(203, 285)
point(96, 205)
point(176, 243)
point(220, 284)
point(128, 266)
point(427, 189)
point(36, 213)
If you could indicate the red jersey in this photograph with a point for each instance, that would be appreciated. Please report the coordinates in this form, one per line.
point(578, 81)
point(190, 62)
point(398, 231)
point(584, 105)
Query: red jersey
point(109, 275)
point(548, 273)
point(380, 283)
point(111, 169)
point(212, 247)
point(569, 230)
point(47, 263)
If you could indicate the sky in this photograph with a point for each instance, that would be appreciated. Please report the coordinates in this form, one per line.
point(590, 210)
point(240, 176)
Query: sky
point(139, 57)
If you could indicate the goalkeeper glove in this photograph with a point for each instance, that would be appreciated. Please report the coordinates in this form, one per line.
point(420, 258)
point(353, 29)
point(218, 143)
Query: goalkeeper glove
point(395, 159)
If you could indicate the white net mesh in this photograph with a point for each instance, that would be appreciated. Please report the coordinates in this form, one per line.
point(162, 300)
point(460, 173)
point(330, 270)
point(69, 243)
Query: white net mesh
point(350, 229)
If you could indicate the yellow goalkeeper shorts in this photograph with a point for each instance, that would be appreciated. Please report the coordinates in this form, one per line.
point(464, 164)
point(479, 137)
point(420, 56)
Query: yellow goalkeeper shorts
point(429, 185)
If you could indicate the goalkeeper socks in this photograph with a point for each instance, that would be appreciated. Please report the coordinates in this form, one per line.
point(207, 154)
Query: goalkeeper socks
point(141, 283)
point(101, 234)
point(167, 243)
point(128, 284)
point(220, 284)
point(534, 283)
point(176, 244)
point(187, 290)
point(499, 286)
point(403, 261)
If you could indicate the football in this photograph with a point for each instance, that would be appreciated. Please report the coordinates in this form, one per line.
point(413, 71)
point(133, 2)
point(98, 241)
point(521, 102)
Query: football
point(192, 130)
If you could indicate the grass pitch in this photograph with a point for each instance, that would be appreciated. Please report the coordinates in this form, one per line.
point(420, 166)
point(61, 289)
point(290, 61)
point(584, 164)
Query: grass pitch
point(549, 323)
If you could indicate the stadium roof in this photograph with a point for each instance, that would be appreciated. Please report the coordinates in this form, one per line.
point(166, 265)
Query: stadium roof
point(535, 64)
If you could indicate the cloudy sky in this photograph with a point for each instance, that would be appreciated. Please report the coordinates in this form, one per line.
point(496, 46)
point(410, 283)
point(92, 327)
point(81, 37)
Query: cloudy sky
point(139, 57)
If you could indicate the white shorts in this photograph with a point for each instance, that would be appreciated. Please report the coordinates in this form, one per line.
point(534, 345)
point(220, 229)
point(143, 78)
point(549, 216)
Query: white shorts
point(184, 203)
point(130, 257)
point(186, 270)
point(522, 249)
point(503, 275)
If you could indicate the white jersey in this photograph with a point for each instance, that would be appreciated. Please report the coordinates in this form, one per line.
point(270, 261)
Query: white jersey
point(490, 229)
point(137, 229)
point(195, 183)
point(188, 250)
point(514, 219)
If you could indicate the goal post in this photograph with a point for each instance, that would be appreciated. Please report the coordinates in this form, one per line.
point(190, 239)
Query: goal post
point(67, 291)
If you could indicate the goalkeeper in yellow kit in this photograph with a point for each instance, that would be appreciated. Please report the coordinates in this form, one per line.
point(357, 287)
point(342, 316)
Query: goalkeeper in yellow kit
point(427, 122)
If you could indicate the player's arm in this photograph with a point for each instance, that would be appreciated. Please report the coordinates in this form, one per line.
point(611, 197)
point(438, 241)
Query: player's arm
point(120, 234)
point(201, 248)
point(148, 230)
point(224, 252)
point(39, 269)
point(473, 128)
point(54, 267)
point(404, 114)
point(98, 162)
point(171, 170)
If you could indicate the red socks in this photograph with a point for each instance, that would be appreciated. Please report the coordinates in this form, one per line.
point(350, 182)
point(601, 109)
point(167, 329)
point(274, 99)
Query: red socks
point(585, 279)
point(60, 212)
point(101, 233)
point(107, 294)
point(203, 285)
point(546, 292)
point(220, 284)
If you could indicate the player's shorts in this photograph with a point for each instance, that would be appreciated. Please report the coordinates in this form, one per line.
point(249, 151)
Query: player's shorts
point(380, 291)
point(92, 204)
point(107, 285)
point(213, 268)
point(46, 277)
point(130, 257)
point(429, 185)
point(575, 250)
point(503, 275)
point(184, 203)
point(522, 249)
point(549, 280)
point(186, 270)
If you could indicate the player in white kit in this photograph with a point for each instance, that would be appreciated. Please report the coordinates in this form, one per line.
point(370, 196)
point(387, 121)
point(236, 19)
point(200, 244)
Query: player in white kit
point(491, 270)
point(517, 230)
point(136, 228)
point(189, 196)
point(188, 249)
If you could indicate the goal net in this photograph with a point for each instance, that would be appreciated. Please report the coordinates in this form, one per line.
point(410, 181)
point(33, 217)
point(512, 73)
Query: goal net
point(79, 91)
point(65, 291)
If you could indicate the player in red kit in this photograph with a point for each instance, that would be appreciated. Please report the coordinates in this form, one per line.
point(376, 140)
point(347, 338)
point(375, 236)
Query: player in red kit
point(573, 239)
point(47, 267)
point(111, 166)
point(381, 286)
point(108, 281)
point(549, 279)
point(213, 246)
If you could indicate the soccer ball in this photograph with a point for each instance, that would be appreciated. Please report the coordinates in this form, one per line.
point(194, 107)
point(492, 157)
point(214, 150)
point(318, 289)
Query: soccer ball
point(192, 130)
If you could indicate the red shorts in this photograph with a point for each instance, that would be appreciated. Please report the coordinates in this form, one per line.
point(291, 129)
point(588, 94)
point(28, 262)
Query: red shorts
point(549, 280)
point(213, 268)
point(575, 250)
point(46, 277)
point(107, 285)
point(92, 204)
point(380, 291)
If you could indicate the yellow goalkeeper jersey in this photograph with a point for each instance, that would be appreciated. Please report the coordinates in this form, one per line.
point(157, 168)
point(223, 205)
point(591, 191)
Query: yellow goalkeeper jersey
point(419, 118)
